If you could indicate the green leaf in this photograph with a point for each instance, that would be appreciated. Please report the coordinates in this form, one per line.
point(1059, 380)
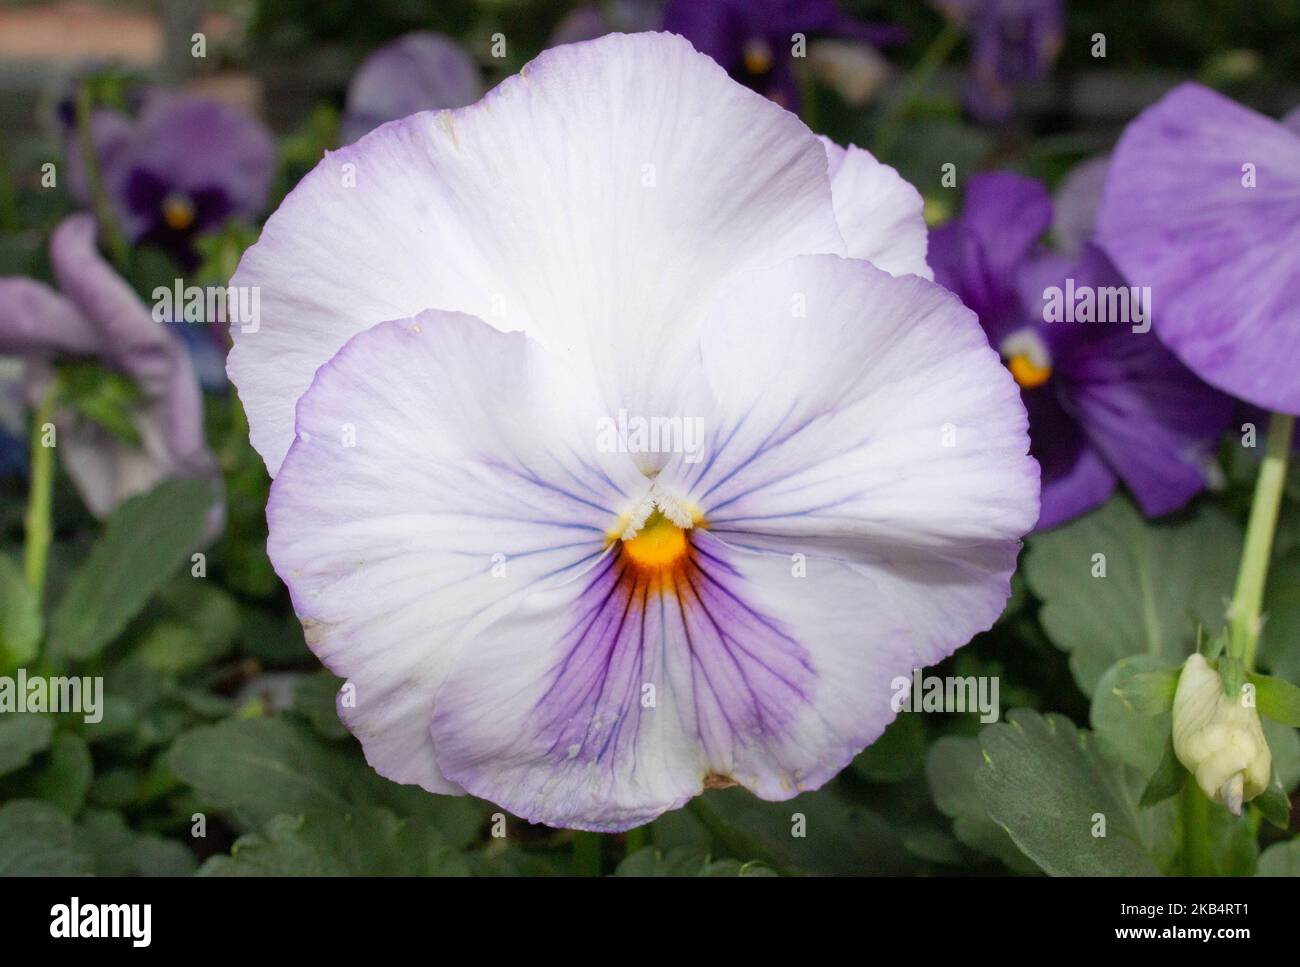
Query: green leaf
point(1121, 716)
point(171, 647)
point(1167, 780)
point(314, 698)
point(369, 842)
point(104, 397)
point(1277, 699)
point(897, 755)
point(65, 778)
point(23, 735)
point(146, 539)
point(1280, 859)
point(262, 767)
point(36, 839)
point(120, 851)
point(1273, 804)
point(686, 862)
point(950, 768)
point(20, 618)
point(1150, 692)
point(1279, 648)
point(1161, 580)
point(1044, 783)
point(259, 768)
point(818, 832)
point(1284, 743)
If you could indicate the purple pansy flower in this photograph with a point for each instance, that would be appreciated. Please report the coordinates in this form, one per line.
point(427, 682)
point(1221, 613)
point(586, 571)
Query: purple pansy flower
point(421, 71)
point(1104, 401)
point(1202, 203)
point(96, 314)
point(180, 169)
point(590, 630)
point(594, 20)
point(1012, 41)
point(753, 39)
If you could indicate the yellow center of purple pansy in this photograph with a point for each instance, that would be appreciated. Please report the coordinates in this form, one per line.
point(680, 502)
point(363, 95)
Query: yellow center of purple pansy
point(178, 212)
point(1026, 356)
point(758, 56)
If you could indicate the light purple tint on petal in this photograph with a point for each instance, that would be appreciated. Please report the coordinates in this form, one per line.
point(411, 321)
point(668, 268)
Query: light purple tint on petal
point(864, 417)
point(36, 320)
point(441, 470)
point(612, 699)
point(1180, 214)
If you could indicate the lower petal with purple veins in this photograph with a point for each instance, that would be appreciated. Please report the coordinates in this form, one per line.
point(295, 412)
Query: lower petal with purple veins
point(620, 695)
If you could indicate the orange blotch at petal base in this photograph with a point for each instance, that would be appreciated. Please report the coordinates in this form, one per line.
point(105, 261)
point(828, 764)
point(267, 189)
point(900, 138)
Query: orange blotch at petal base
point(1027, 373)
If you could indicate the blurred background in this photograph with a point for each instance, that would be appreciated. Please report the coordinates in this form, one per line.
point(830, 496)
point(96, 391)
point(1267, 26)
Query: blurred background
point(182, 124)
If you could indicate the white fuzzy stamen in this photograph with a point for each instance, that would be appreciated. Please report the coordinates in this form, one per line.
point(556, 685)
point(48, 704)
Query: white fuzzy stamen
point(657, 499)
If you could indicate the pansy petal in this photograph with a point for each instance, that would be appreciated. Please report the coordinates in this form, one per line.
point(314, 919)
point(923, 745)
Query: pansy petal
point(192, 144)
point(1075, 205)
point(1146, 413)
point(606, 701)
point(595, 201)
point(1292, 120)
point(865, 417)
point(132, 342)
point(1075, 477)
point(441, 469)
point(1203, 205)
point(978, 255)
point(36, 320)
point(880, 215)
point(420, 71)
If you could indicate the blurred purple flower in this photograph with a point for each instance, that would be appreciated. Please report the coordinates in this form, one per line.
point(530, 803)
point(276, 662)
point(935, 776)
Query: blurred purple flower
point(1012, 41)
point(752, 39)
point(1202, 203)
point(1104, 401)
point(598, 19)
point(180, 169)
point(420, 71)
point(96, 314)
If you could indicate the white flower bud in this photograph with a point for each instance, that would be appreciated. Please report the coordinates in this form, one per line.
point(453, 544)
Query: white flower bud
point(1218, 737)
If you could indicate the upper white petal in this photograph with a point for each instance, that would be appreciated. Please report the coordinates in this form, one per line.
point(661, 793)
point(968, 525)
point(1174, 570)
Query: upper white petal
point(881, 215)
point(596, 200)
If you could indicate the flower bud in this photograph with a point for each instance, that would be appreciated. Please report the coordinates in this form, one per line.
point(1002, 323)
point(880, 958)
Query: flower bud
point(1218, 737)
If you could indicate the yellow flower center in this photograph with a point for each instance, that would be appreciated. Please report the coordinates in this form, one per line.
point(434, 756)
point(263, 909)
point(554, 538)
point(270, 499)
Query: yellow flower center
point(658, 544)
point(178, 212)
point(1027, 373)
point(758, 56)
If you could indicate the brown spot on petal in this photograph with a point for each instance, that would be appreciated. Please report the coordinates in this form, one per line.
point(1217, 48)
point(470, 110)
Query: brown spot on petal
point(715, 781)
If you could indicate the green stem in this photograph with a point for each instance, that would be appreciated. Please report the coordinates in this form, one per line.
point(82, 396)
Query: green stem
point(917, 81)
point(587, 848)
point(1248, 598)
point(1196, 831)
point(40, 497)
point(114, 242)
